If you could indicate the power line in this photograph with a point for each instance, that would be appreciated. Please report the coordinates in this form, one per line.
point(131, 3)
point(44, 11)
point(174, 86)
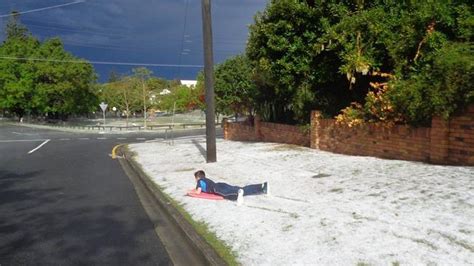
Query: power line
point(75, 30)
point(98, 62)
point(45, 22)
point(126, 35)
point(42, 9)
point(103, 47)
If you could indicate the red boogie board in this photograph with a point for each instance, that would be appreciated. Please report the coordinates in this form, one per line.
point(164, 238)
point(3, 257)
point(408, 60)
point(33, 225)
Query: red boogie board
point(203, 195)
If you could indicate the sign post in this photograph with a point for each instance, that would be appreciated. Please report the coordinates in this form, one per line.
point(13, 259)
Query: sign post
point(103, 106)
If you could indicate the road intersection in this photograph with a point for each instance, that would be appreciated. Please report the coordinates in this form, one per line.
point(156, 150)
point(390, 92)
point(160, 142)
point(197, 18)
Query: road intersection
point(63, 200)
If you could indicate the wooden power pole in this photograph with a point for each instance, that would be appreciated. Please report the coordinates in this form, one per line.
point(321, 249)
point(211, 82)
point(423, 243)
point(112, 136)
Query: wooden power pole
point(209, 82)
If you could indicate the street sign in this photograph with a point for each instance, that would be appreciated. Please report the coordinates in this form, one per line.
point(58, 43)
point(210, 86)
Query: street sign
point(103, 106)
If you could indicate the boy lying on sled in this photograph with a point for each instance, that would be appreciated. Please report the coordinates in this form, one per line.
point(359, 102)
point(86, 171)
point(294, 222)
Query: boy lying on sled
point(206, 185)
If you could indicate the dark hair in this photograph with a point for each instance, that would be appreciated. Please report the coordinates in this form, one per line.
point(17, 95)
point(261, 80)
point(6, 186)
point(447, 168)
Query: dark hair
point(199, 174)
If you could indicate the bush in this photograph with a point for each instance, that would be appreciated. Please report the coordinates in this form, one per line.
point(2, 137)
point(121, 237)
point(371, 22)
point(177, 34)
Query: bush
point(440, 88)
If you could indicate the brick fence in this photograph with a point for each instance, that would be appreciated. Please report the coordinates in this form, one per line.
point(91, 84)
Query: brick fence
point(445, 142)
point(267, 132)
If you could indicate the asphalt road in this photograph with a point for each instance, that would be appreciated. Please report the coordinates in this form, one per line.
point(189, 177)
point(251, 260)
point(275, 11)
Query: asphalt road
point(64, 201)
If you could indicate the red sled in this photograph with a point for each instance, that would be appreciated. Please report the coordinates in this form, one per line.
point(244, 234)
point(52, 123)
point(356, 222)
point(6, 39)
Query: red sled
point(202, 195)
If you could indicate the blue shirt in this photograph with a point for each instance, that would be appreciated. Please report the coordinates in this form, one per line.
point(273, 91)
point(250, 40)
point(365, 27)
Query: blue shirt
point(206, 185)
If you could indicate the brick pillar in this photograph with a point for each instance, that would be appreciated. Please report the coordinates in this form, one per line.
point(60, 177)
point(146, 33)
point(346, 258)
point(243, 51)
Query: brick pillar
point(439, 141)
point(257, 127)
point(315, 128)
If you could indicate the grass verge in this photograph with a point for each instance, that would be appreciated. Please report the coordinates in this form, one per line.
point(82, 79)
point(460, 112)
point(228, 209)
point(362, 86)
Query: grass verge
point(223, 250)
point(202, 228)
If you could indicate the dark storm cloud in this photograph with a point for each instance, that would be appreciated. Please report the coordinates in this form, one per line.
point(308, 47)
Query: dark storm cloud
point(146, 31)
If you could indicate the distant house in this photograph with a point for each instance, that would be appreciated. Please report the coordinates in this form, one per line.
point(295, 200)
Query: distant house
point(165, 91)
point(189, 83)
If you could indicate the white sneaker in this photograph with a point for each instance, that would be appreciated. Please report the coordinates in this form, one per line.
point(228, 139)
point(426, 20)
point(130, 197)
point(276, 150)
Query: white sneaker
point(266, 188)
point(240, 197)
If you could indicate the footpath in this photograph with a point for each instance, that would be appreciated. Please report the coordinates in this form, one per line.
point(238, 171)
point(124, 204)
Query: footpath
point(324, 208)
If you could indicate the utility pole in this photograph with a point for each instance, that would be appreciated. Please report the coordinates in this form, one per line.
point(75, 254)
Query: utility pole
point(209, 82)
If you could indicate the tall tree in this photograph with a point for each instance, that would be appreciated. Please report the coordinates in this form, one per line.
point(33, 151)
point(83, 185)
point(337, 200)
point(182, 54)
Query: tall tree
point(326, 54)
point(291, 79)
point(14, 29)
point(234, 87)
point(113, 76)
point(17, 78)
point(398, 47)
point(62, 88)
point(142, 76)
point(42, 78)
point(124, 95)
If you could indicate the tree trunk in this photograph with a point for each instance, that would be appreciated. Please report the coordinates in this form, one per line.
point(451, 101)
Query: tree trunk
point(144, 105)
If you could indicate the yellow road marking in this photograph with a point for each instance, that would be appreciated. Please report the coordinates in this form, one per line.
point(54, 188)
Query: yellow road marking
point(113, 151)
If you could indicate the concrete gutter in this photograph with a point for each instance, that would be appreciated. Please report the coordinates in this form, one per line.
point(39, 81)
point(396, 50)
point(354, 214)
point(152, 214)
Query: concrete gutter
point(184, 245)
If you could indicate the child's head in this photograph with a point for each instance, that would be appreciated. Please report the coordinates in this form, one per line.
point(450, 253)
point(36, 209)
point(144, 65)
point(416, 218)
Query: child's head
point(199, 174)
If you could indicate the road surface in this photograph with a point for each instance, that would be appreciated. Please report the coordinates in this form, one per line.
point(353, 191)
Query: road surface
point(64, 201)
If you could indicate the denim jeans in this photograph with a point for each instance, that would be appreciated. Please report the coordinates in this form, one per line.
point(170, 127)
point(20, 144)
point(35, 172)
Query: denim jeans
point(231, 192)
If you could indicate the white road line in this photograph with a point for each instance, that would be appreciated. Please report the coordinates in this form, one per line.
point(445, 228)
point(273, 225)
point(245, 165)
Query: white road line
point(101, 138)
point(27, 134)
point(84, 138)
point(155, 140)
point(64, 139)
point(22, 140)
point(122, 138)
point(41, 145)
point(141, 138)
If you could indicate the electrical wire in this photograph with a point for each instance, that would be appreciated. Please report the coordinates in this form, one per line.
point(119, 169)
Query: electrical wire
point(184, 39)
point(54, 23)
point(102, 47)
point(74, 30)
point(97, 62)
point(43, 8)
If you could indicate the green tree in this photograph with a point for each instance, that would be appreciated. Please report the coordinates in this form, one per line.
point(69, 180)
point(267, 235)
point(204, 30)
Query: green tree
point(122, 94)
point(181, 98)
point(327, 54)
point(14, 29)
point(157, 86)
point(234, 87)
point(291, 78)
point(17, 75)
point(17, 78)
point(142, 75)
point(392, 48)
point(63, 89)
point(42, 78)
point(443, 87)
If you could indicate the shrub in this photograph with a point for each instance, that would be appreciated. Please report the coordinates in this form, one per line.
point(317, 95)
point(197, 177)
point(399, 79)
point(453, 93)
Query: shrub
point(440, 88)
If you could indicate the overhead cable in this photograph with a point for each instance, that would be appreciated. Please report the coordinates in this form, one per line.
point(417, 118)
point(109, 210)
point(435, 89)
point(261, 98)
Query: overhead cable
point(42, 9)
point(97, 62)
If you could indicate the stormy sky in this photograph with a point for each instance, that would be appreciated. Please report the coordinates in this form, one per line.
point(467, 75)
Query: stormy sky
point(166, 35)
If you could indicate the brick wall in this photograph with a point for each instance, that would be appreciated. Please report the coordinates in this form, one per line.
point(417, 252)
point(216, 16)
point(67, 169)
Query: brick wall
point(280, 133)
point(461, 139)
point(445, 142)
point(266, 132)
point(398, 142)
point(239, 131)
